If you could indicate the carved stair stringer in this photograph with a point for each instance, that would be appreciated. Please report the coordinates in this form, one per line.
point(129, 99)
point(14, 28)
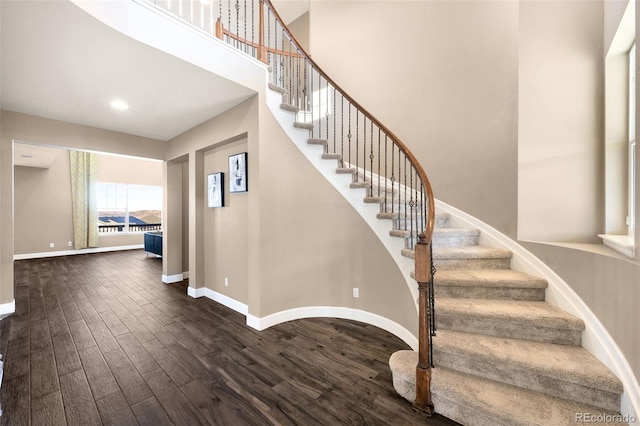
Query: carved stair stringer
point(355, 196)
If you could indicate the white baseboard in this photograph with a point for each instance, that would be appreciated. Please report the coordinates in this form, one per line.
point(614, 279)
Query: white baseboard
point(7, 308)
point(334, 312)
point(168, 279)
point(185, 274)
point(74, 252)
point(227, 301)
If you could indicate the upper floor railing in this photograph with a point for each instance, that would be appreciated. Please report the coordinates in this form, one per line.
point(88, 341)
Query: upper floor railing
point(380, 161)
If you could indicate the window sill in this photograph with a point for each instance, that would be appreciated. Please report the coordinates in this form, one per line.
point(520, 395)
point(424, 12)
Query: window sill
point(621, 243)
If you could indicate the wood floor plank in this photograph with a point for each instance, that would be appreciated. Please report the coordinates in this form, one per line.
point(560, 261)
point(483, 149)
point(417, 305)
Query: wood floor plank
point(18, 357)
point(169, 363)
point(80, 407)
point(48, 410)
point(103, 337)
point(150, 413)
point(82, 337)
point(133, 387)
point(114, 324)
point(71, 311)
point(101, 381)
point(139, 357)
point(177, 406)
point(40, 336)
point(44, 375)
point(114, 411)
point(67, 359)
point(16, 402)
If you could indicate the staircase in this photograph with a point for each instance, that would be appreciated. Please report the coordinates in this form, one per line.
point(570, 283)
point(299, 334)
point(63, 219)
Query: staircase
point(502, 354)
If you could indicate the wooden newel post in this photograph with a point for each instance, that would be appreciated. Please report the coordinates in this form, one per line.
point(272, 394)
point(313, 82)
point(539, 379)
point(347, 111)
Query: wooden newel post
point(423, 369)
point(219, 28)
point(262, 49)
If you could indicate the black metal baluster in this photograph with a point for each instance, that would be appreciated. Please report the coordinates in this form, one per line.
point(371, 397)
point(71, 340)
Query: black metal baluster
point(349, 135)
point(371, 157)
point(334, 119)
point(379, 169)
point(386, 171)
point(393, 178)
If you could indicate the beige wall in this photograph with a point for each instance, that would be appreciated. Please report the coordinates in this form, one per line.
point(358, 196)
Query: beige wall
point(38, 130)
point(226, 248)
point(300, 243)
point(42, 206)
point(446, 79)
point(561, 113)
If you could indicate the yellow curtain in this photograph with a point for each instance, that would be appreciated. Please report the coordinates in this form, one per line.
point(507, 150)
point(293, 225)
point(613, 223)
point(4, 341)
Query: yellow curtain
point(84, 191)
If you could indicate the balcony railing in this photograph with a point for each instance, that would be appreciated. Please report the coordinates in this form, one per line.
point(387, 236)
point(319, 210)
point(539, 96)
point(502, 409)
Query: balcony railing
point(364, 146)
point(114, 228)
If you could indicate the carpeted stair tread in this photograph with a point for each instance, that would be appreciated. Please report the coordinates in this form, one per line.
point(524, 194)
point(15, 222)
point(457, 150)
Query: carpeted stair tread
point(488, 278)
point(331, 155)
point(289, 107)
point(301, 125)
point(277, 88)
point(471, 252)
point(516, 319)
point(505, 284)
point(559, 370)
point(473, 400)
point(472, 257)
point(345, 170)
point(317, 141)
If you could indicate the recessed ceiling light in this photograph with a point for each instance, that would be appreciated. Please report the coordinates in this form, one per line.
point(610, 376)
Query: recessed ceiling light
point(26, 156)
point(120, 105)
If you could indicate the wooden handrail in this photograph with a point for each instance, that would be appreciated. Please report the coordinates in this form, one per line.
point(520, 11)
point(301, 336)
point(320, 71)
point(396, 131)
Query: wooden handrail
point(428, 233)
point(262, 49)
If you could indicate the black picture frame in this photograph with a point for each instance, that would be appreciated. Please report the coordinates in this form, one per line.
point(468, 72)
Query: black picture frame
point(215, 190)
point(238, 176)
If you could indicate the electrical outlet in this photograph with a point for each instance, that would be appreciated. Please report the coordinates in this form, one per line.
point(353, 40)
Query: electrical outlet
point(226, 282)
point(52, 245)
point(356, 292)
point(70, 244)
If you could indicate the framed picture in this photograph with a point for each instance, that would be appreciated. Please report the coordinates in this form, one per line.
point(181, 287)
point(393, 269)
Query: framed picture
point(238, 172)
point(215, 189)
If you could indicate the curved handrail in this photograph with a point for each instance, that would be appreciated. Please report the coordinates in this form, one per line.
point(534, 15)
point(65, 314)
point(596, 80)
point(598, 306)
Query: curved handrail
point(430, 224)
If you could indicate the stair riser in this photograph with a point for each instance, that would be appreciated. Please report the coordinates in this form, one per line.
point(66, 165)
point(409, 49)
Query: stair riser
point(505, 373)
point(491, 293)
point(501, 328)
point(455, 241)
point(466, 415)
point(472, 263)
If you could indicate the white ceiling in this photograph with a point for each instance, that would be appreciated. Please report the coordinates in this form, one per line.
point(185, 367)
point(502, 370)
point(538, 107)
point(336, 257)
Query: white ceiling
point(59, 62)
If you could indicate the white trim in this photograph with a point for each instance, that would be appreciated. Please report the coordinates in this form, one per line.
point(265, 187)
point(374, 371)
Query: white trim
point(195, 292)
point(8, 308)
point(225, 300)
point(595, 338)
point(334, 312)
point(620, 243)
point(168, 279)
point(74, 252)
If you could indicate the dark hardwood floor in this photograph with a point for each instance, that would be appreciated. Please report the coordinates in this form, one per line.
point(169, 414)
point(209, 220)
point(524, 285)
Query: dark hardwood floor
point(99, 339)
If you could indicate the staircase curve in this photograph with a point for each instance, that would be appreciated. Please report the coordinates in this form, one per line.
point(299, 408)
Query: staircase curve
point(385, 183)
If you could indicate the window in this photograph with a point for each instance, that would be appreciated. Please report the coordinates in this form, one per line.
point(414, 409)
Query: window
point(129, 208)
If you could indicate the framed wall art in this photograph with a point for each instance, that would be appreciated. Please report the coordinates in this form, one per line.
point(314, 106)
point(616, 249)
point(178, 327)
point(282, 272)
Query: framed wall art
point(238, 172)
point(215, 189)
